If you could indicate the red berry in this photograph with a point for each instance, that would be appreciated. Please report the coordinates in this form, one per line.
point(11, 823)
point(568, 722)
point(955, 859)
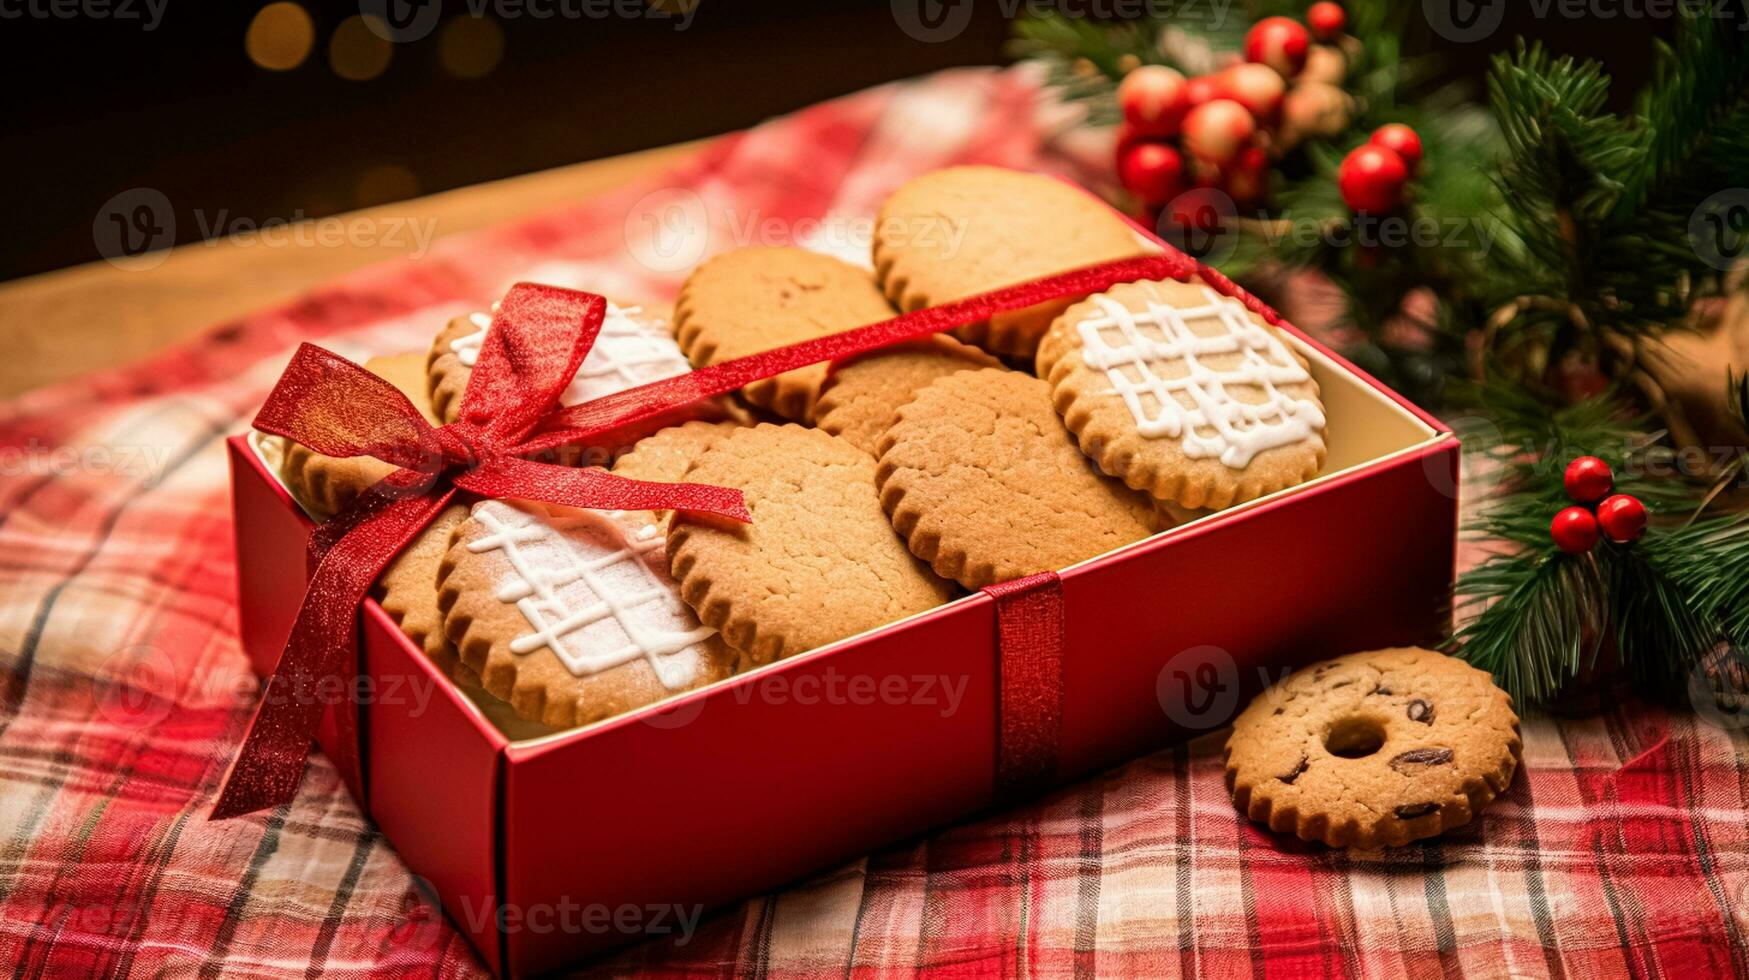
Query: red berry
point(1202, 208)
point(1574, 530)
point(1202, 88)
point(1216, 131)
point(1279, 42)
point(1256, 87)
point(1153, 99)
point(1588, 479)
point(1248, 177)
point(1153, 172)
point(1326, 19)
point(1622, 517)
point(1128, 136)
point(1403, 140)
point(1371, 179)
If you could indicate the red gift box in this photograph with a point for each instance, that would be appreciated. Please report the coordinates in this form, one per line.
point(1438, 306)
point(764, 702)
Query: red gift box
point(549, 849)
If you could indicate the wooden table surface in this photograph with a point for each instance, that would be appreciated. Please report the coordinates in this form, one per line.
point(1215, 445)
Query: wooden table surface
point(72, 321)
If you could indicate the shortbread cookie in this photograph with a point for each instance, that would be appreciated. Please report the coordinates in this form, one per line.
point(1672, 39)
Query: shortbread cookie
point(1374, 749)
point(323, 485)
point(962, 231)
point(407, 591)
point(570, 614)
point(665, 456)
point(818, 563)
point(1184, 393)
point(984, 483)
point(755, 299)
point(862, 397)
point(635, 347)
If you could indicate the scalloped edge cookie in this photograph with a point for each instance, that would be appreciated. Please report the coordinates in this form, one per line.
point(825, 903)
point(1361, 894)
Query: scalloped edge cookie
point(980, 478)
point(1285, 448)
point(1374, 749)
point(862, 397)
point(756, 299)
point(817, 564)
point(961, 231)
point(480, 590)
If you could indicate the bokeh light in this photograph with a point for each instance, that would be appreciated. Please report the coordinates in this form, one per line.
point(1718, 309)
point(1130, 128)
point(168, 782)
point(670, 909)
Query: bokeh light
point(356, 53)
point(383, 183)
point(280, 37)
point(470, 47)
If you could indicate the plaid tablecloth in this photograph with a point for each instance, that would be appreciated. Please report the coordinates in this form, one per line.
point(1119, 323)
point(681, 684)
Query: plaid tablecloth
point(1620, 850)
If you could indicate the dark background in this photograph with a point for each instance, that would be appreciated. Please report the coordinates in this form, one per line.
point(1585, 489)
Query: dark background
point(101, 106)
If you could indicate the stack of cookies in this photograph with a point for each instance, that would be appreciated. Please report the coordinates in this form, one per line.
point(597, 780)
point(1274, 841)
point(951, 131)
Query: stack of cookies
point(879, 488)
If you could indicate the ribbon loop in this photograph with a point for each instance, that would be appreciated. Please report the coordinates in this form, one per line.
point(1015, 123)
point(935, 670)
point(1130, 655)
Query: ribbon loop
point(538, 339)
point(337, 408)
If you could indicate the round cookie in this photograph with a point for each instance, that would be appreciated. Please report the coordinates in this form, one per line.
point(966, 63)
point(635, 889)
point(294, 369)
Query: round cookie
point(569, 614)
point(665, 455)
point(1184, 393)
point(818, 563)
point(407, 591)
point(862, 397)
point(755, 299)
point(981, 479)
point(961, 231)
point(634, 347)
point(1374, 749)
point(324, 485)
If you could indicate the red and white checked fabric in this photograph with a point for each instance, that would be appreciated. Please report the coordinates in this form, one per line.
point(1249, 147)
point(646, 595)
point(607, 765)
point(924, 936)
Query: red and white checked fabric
point(1621, 850)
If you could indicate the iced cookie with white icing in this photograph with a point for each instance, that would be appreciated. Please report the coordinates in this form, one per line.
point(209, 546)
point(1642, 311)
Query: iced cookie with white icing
point(1184, 393)
point(635, 347)
point(570, 615)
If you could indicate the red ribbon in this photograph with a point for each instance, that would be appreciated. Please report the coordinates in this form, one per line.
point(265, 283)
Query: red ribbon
point(1029, 685)
point(537, 340)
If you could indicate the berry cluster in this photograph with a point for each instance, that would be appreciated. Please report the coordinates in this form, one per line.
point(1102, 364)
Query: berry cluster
point(1596, 512)
point(1220, 130)
point(1374, 174)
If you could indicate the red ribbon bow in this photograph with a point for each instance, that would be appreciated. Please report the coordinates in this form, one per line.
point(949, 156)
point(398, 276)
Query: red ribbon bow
point(536, 343)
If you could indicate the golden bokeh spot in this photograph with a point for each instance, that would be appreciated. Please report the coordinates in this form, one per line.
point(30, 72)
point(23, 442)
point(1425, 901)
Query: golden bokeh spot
point(280, 37)
point(470, 47)
point(356, 53)
point(383, 183)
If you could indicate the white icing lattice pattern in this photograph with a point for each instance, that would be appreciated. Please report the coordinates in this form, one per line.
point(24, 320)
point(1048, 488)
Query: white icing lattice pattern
point(1154, 358)
point(629, 351)
point(594, 588)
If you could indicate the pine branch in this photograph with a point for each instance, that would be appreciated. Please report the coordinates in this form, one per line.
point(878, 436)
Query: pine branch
point(1538, 620)
point(1709, 562)
point(1561, 148)
point(1659, 632)
point(1698, 86)
point(1528, 445)
point(1539, 614)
